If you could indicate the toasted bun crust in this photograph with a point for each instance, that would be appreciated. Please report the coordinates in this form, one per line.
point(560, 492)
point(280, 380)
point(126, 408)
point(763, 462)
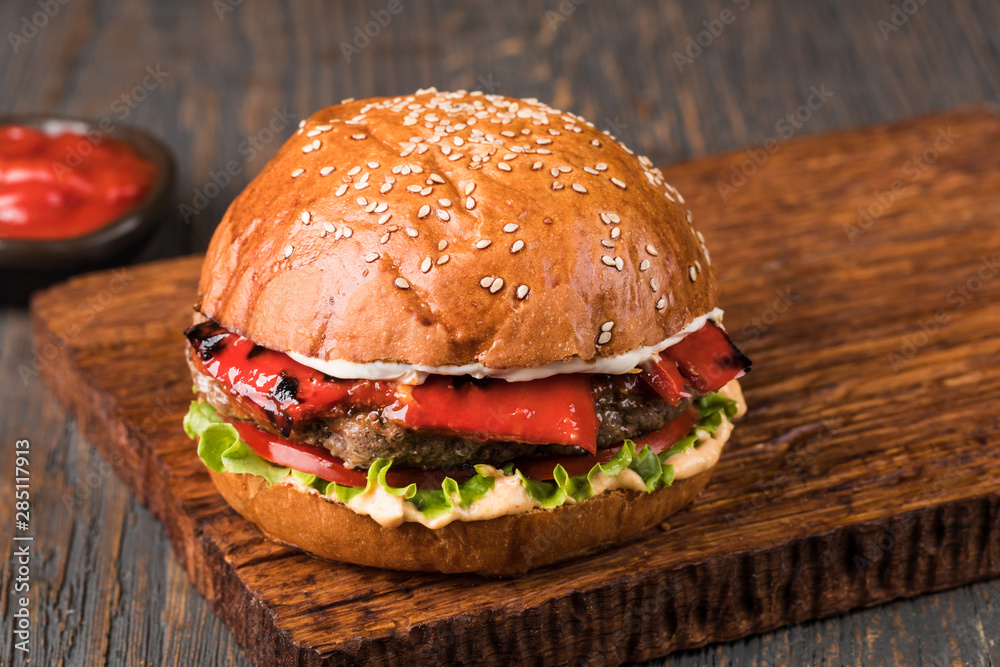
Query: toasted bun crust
point(505, 546)
point(383, 258)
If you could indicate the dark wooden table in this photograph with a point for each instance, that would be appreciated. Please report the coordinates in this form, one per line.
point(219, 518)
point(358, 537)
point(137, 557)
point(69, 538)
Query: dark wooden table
point(225, 82)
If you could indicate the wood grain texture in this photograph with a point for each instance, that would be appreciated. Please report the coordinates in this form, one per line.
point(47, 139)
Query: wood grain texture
point(849, 484)
point(610, 61)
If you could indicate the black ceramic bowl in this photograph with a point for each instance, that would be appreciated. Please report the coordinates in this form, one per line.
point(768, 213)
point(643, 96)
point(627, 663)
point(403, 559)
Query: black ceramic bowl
point(111, 241)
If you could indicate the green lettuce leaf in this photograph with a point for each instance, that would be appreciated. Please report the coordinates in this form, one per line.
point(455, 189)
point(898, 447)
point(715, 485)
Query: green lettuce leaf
point(221, 450)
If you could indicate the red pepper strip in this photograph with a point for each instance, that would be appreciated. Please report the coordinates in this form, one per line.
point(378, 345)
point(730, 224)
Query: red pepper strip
point(317, 461)
point(658, 441)
point(707, 358)
point(553, 410)
point(275, 385)
point(662, 375)
point(556, 410)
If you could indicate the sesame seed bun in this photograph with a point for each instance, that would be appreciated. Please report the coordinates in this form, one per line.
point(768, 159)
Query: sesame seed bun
point(456, 228)
point(505, 546)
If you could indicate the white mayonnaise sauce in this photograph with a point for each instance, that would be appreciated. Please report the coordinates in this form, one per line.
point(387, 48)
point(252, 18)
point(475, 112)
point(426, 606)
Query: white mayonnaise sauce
point(416, 374)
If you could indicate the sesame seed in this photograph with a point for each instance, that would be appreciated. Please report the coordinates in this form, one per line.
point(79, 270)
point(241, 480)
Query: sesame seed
point(600, 166)
point(605, 219)
point(412, 233)
point(610, 245)
point(373, 165)
point(469, 188)
point(697, 265)
point(508, 134)
point(700, 237)
point(503, 166)
point(361, 186)
point(347, 232)
point(509, 156)
point(288, 251)
point(342, 189)
point(357, 137)
point(579, 188)
point(442, 244)
point(298, 172)
point(607, 326)
point(305, 217)
point(470, 203)
point(594, 142)
point(619, 183)
point(307, 148)
point(604, 338)
point(436, 178)
point(517, 247)
point(329, 227)
point(426, 191)
point(654, 284)
point(651, 250)
point(616, 232)
point(384, 238)
point(384, 218)
point(322, 233)
point(443, 215)
point(380, 207)
point(393, 228)
point(354, 171)
point(425, 265)
point(510, 227)
point(536, 166)
point(644, 265)
point(619, 263)
point(442, 259)
point(444, 203)
point(661, 304)
point(424, 211)
point(486, 281)
point(613, 217)
point(522, 291)
point(496, 286)
point(692, 274)
point(362, 201)
point(414, 188)
point(483, 243)
point(557, 185)
point(591, 170)
point(401, 283)
point(608, 260)
point(326, 171)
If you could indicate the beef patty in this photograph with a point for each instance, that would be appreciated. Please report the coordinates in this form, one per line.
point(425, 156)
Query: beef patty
point(625, 406)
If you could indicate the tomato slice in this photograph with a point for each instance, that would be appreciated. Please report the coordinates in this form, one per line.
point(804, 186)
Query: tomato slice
point(317, 461)
point(552, 410)
point(658, 441)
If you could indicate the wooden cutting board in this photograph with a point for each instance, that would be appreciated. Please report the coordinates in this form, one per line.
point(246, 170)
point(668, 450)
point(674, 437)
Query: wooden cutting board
point(860, 274)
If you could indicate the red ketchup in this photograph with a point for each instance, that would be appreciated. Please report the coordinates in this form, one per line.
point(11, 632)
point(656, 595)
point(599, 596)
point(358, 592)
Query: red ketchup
point(66, 185)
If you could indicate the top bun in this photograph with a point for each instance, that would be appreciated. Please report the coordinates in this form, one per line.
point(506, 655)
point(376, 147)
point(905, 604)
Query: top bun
point(455, 228)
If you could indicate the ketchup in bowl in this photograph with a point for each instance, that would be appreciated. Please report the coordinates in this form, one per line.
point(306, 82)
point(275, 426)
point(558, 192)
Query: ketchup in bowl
point(65, 185)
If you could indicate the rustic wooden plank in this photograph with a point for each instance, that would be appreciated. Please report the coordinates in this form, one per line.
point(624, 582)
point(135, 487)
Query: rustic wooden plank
point(868, 508)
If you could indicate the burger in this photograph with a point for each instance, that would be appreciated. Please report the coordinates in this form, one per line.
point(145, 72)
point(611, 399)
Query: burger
point(458, 332)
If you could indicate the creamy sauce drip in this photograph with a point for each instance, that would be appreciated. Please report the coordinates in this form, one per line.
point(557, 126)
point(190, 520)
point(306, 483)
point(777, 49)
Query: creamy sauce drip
point(416, 374)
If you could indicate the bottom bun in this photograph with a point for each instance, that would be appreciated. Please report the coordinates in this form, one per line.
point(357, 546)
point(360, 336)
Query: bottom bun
point(505, 546)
